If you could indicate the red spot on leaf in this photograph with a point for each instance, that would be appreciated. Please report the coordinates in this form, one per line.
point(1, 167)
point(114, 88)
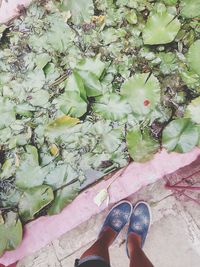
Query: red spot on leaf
point(146, 102)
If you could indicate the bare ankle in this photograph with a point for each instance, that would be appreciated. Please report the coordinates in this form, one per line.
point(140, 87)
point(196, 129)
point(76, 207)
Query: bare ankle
point(107, 237)
point(134, 243)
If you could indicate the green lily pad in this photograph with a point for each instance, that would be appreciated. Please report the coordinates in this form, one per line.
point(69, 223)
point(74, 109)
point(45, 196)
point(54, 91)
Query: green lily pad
point(141, 146)
point(161, 28)
point(72, 104)
point(110, 35)
point(75, 84)
point(35, 80)
point(168, 63)
point(30, 174)
point(190, 8)
point(131, 17)
point(112, 107)
point(60, 125)
point(59, 36)
point(42, 60)
point(91, 82)
point(39, 98)
point(10, 232)
point(193, 57)
point(180, 135)
point(193, 110)
point(142, 93)
point(191, 79)
point(7, 112)
point(63, 197)
point(93, 65)
point(81, 10)
point(33, 200)
point(56, 177)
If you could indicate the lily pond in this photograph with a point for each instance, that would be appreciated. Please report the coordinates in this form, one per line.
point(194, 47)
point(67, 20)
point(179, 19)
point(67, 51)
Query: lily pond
point(86, 86)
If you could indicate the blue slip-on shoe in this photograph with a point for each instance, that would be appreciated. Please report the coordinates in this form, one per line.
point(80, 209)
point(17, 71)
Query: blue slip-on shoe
point(118, 217)
point(140, 222)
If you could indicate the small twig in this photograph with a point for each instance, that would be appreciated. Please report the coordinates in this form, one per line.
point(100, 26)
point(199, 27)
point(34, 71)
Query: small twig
point(59, 80)
point(172, 19)
point(148, 77)
point(65, 185)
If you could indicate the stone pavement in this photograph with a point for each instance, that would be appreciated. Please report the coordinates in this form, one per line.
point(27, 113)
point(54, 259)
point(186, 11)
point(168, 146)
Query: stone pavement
point(173, 241)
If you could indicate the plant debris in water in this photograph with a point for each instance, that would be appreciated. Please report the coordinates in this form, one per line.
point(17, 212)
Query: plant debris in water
point(85, 86)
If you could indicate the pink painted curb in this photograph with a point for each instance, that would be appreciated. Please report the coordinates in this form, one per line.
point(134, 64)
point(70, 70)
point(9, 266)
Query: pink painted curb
point(9, 9)
point(42, 231)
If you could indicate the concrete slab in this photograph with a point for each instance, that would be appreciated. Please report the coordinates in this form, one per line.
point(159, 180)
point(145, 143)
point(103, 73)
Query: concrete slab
point(44, 258)
point(174, 238)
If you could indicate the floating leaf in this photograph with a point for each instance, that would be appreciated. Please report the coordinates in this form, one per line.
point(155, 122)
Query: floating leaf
point(190, 8)
point(93, 65)
point(193, 57)
point(7, 169)
point(39, 98)
point(63, 197)
point(30, 174)
point(59, 35)
point(191, 79)
point(180, 135)
point(109, 36)
point(112, 107)
point(54, 150)
point(57, 176)
point(92, 84)
point(81, 10)
point(72, 104)
point(193, 110)
point(7, 112)
point(10, 232)
point(131, 17)
point(161, 28)
point(60, 125)
point(141, 146)
point(35, 80)
point(168, 63)
point(42, 60)
point(33, 200)
point(142, 92)
point(75, 84)
point(101, 197)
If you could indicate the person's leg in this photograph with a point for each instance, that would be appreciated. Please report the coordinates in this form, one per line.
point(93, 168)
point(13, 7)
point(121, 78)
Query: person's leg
point(139, 225)
point(137, 255)
point(101, 246)
point(117, 218)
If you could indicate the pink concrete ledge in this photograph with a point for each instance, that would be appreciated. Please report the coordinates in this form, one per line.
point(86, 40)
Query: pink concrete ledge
point(9, 9)
point(42, 231)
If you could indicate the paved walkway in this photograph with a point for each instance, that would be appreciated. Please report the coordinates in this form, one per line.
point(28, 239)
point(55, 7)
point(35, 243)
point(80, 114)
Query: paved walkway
point(173, 241)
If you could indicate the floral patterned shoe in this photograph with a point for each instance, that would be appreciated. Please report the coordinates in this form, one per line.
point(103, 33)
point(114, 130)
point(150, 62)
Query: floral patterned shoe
point(118, 217)
point(140, 222)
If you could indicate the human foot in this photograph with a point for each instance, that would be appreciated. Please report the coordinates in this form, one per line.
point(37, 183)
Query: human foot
point(117, 218)
point(139, 225)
